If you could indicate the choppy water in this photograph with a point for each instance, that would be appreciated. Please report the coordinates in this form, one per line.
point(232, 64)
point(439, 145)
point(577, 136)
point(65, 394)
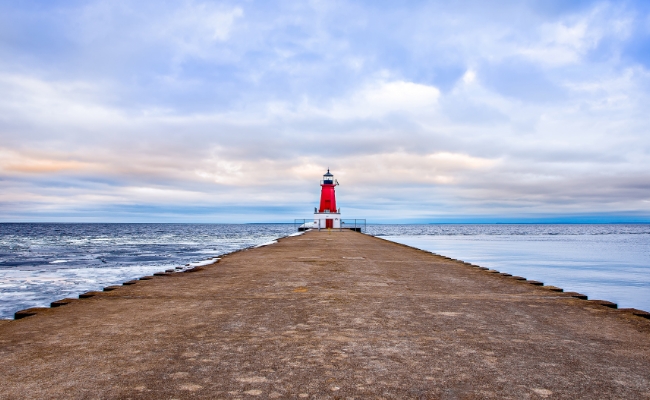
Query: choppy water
point(608, 262)
point(40, 263)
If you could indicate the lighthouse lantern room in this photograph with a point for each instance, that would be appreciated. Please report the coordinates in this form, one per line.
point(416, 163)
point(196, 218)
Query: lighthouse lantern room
point(327, 215)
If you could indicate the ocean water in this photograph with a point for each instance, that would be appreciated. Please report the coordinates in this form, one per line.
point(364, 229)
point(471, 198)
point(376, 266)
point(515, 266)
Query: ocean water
point(606, 262)
point(40, 263)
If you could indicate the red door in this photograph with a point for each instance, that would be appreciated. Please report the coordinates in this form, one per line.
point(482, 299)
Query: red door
point(329, 223)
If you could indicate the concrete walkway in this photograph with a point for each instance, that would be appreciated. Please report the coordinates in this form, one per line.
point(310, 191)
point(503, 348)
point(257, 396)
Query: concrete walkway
point(328, 315)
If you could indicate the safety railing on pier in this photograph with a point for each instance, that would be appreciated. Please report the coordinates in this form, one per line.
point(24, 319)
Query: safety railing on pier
point(358, 225)
point(355, 224)
point(301, 224)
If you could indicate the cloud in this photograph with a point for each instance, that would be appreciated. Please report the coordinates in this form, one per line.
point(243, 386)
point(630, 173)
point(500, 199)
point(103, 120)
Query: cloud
point(422, 109)
point(12, 162)
point(194, 28)
point(374, 100)
point(568, 41)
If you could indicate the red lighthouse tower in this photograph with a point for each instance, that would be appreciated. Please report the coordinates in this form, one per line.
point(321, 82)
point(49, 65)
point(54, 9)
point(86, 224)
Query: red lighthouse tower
point(327, 215)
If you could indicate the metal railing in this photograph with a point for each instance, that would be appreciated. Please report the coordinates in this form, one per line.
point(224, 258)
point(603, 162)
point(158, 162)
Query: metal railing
point(300, 223)
point(355, 224)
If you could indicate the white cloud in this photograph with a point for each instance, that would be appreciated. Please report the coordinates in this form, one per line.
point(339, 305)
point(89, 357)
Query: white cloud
point(469, 76)
point(568, 41)
point(64, 102)
point(130, 28)
point(237, 100)
point(394, 96)
point(375, 100)
point(194, 28)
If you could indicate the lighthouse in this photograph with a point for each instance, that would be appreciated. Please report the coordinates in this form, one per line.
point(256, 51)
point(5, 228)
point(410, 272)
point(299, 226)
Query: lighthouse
point(327, 215)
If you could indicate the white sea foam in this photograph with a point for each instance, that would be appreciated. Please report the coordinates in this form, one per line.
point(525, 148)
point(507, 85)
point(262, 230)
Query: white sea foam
point(46, 262)
point(267, 243)
point(204, 262)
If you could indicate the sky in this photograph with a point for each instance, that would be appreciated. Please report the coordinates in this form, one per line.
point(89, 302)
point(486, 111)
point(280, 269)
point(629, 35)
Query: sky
point(425, 111)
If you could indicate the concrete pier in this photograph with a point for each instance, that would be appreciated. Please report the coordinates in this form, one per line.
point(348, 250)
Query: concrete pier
point(328, 315)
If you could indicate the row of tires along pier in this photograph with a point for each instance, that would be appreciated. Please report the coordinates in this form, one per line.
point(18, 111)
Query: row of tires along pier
point(58, 303)
point(604, 303)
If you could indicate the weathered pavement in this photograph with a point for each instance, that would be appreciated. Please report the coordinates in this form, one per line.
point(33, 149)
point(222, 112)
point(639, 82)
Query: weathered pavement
point(328, 315)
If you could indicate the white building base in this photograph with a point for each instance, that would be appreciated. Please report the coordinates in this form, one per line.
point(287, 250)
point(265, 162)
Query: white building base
point(321, 220)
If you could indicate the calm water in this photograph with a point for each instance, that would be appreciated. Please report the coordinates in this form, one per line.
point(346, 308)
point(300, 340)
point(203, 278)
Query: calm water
point(40, 263)
point(609, 262)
